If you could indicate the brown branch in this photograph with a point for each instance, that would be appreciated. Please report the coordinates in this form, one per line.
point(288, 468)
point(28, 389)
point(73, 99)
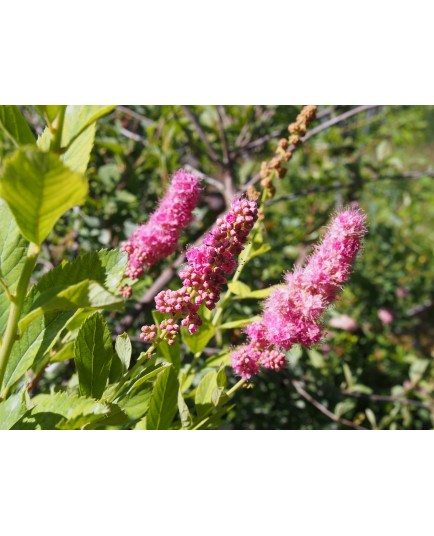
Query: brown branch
point(203, 137)
point(304, 394)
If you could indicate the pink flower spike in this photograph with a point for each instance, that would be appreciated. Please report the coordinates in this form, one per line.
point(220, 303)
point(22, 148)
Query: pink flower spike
point(158, 238)
point(292, 314)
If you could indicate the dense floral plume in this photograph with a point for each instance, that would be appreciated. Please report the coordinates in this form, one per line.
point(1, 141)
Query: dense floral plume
point(292, 313)
point(158, 237)
point(207, 267)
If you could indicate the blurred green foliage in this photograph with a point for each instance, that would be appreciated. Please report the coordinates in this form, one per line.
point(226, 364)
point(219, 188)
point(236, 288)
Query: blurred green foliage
point(379, 375)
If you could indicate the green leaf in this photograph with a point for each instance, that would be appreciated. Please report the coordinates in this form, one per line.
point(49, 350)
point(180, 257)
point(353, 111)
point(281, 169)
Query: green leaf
point(39, 189)
point(151, 372)
point(204, 393)
point(371, 418)
point(348, 376)
point(121, 358)
point(124, 350)
point(164, 401)
point(106, 267)
point(13, 250)
point(217, 360)
point(67, 286)
point(49, 110)
point(33, 344)
point(197, 342)
point(114, 263)
point(239, 289)
point(87, 294)
point(417, 369)
point(184, 412)
point(12, 410)
point(136, 405)
point(239, 323)
point(79, 118)
point(258, 294)
point(77, 156)
point(66, 352)
point(93, 354)
point(316, 358)
point(63, 411)
point(15, 125)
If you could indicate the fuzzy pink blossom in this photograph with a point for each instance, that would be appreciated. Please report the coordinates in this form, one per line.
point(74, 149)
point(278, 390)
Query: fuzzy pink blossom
point(386, 316)
point(204, 274)
point(245, 361)
point(158, 237)
point(343, 322)
point(292, 312)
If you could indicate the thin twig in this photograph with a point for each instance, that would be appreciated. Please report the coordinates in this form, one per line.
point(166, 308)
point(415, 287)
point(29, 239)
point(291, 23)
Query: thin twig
point(212, 154)
point(132, 135)
point(410, 175)
point(323, 409)
point(132, 113)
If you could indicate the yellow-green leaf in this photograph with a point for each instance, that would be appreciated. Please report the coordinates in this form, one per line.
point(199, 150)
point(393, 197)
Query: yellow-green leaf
point(39, 189)
point(15, 125)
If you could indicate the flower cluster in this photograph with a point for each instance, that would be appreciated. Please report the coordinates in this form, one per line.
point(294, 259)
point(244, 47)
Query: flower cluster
point(292, 313)
point(158, 238)
point(208, 265)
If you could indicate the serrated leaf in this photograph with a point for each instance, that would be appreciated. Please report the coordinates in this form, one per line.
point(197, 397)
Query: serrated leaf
point(13, 250)
point(150, 372)
point(77, 156)
point(204, 393)
point(93, 354)
point(33, 344)
point(13, 122)
point(197, 342)
point(164, 401)
point(87, 294)
point(39, 189)
point(105, 267)
point(79, 118)
point(12, 410)
point(213, 421)
point(64, 411)
point(239, 289)
point(136, 405)
point(68, 286)
point(184, 412)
